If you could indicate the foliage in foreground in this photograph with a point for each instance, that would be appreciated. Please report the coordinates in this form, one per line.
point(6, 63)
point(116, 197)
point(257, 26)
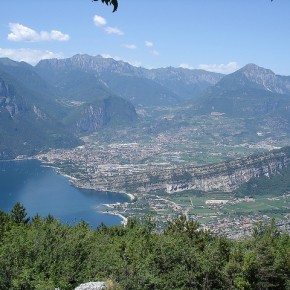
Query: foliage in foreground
point(42, 253)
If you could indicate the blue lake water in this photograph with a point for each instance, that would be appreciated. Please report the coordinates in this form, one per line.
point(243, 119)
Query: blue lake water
point(41, 190)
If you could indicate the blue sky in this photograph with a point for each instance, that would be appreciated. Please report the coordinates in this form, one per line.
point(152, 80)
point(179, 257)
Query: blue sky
point(216, 35)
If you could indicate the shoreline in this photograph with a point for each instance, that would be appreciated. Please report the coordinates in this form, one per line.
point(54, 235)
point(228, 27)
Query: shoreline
point(130, 195)
point(74, 180)
point(19, 159)
point(124, 219)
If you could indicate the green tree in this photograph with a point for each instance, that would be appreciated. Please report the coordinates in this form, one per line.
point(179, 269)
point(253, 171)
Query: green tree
point(5, 223)
point(19, 214)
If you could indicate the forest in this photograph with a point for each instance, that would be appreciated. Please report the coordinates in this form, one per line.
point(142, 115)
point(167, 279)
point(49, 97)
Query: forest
point(42, 253)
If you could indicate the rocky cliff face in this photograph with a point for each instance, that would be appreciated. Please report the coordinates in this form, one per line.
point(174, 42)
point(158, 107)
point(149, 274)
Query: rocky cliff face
point(8, 100)
point(26, 126)
point(228, 176)
point(91, 119)
point(225, 176)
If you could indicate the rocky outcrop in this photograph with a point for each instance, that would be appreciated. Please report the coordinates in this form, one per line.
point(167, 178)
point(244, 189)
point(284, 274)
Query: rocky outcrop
point(92, 286)
point(91, 119)
point(112, 110)
point(8, 100)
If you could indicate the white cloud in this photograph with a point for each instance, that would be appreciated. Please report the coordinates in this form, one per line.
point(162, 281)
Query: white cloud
point(129, 46)
point(99, 20)
point(186, 65)
point(107, 55)
point(20, 32)
point(102, 22)
point(113, 30)
point(155, 52)
point(148, 43)
point(57, 35)
point(28, 55)
point(218, 68)
point(135, 63)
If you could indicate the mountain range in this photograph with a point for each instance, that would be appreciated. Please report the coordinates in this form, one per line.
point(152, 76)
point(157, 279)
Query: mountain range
point(164, 86)
point(53, 103)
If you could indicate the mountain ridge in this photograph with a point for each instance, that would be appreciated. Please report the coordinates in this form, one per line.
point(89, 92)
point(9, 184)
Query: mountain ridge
point(82, 94)
point(172, 86)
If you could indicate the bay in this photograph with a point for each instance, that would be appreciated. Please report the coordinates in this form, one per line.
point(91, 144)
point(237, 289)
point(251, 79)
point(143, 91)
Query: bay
point(41, 190)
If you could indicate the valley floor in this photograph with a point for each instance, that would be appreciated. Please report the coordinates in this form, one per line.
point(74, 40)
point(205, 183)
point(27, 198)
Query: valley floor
point(162, 142)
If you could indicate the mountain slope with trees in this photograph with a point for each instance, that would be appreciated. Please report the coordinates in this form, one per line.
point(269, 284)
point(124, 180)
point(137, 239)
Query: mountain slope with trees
point(37, 115)
point(44, 254)
point(29, 118)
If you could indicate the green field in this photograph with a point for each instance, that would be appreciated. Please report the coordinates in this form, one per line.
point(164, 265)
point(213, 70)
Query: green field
point(195, 202)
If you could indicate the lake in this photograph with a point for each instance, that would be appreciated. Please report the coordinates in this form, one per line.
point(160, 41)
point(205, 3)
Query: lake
point(41, 190)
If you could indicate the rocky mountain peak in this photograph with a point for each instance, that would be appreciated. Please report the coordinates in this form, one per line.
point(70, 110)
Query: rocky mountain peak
point(252, 69)
point(85, 60)
point(265, 78)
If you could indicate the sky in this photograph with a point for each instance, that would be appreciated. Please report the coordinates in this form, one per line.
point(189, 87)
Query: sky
point(215, 35)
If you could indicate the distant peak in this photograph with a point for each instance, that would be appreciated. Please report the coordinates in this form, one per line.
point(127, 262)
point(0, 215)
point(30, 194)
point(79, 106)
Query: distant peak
point(251, 67)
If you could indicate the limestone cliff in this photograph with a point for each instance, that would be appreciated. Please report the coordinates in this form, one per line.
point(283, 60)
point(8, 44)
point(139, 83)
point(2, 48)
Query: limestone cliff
point(91, 116)
point(228, 176)
point(224, 176)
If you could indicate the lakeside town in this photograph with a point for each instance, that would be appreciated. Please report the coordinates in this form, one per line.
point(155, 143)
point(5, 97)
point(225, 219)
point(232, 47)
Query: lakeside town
point(212, 214)
point(102, 164)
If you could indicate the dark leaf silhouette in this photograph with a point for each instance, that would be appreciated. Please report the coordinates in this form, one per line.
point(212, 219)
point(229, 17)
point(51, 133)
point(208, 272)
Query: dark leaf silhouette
point(111, 2)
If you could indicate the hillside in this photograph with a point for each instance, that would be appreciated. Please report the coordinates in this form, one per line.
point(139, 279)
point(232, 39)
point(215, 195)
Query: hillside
point(27, 124)
point(37, 115)
point(44, 254)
